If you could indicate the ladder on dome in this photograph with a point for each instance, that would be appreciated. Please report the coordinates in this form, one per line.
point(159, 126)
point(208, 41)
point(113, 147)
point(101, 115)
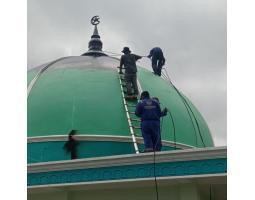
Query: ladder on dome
point(130, 105)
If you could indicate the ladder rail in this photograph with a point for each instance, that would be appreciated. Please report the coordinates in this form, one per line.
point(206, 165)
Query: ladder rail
point(140, 90)
point(129, 119)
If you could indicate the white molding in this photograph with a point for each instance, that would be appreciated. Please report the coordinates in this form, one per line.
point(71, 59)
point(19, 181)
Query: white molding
point(140, 182)
point(90, 137)
point(32, 83)
point(130, 159)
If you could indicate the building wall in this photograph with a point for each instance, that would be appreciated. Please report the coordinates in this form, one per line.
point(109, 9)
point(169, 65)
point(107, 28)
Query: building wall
point(184, 191)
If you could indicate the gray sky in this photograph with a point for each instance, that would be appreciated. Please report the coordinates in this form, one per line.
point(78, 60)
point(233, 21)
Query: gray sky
point(192, 34)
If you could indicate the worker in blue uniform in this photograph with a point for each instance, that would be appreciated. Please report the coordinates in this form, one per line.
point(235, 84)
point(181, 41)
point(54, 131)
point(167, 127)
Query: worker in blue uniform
point(149, 111)
point(157, 60)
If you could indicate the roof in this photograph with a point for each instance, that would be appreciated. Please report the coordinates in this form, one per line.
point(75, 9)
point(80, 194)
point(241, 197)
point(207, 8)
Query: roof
point(83, 93)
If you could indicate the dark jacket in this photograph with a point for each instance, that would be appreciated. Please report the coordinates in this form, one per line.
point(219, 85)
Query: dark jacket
point(157, 53)
point(71, 147)
point(129, 62)
point(149, 109)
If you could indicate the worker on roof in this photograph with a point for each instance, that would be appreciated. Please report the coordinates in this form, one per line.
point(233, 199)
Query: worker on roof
point(157, 60)
point(149, 111)
point(71, 145)
point(129, 62)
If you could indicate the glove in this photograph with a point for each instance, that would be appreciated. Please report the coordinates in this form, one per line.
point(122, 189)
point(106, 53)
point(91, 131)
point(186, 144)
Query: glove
point(165, 110)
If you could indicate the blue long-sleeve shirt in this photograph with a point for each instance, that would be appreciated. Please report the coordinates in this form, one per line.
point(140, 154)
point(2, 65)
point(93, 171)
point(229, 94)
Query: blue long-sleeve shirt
point(149, 109)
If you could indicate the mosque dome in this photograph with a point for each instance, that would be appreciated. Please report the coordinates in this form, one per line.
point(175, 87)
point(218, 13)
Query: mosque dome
point(84, 93)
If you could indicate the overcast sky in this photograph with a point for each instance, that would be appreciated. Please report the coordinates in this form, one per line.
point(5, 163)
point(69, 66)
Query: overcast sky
point(192, 34)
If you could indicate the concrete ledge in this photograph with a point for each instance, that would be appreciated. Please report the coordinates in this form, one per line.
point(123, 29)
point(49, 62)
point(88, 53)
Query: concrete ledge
point(131, 159)
point(90, 137)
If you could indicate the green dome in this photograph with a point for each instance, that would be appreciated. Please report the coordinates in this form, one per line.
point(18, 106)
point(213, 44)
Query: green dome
point(84, 93)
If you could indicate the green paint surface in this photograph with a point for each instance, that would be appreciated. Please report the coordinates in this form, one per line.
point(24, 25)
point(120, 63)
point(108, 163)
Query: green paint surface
point(83, 93)
point(54, 151)
point(87, 100)
point(186, 130)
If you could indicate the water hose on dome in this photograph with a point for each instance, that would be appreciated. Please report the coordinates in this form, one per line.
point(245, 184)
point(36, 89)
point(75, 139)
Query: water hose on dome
point(187, 106)
point(172, 120)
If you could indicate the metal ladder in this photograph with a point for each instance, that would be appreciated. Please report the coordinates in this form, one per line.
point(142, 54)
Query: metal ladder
point(128, 106)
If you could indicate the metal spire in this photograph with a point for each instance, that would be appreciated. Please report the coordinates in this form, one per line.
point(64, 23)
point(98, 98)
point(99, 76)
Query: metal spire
point(95, 44)
point(95, 34)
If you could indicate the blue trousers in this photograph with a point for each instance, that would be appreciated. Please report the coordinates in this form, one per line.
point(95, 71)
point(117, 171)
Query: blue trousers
point(151, 135)
point(157, 65)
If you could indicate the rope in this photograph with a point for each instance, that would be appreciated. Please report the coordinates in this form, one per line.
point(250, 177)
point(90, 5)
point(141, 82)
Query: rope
point(117, 54)
point(155, 177)
point(171, 117)
point(210, 192)
point(172, 120)
point(188, 109)
point(154, 160)
point(193, 125)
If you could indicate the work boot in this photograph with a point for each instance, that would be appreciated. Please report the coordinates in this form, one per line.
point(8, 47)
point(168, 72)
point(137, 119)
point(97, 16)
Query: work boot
point(134, 97)
point(129, 97)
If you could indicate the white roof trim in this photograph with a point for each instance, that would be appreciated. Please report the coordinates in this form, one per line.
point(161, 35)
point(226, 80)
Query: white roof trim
point(39, 73)
point(90, 137)
point(130, 159)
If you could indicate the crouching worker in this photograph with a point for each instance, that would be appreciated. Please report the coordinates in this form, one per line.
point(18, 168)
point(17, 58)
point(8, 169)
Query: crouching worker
point(149, 111)
point(71, 145)
point(157, 60)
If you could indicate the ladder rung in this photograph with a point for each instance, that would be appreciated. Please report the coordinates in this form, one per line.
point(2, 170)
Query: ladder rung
point(131, 112)
point(129, 105)
point(135, 120)
point(133, 100)
point(137, 135)
point(136, 127)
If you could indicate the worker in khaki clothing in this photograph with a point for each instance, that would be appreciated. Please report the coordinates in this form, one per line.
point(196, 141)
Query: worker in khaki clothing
point(129, 62)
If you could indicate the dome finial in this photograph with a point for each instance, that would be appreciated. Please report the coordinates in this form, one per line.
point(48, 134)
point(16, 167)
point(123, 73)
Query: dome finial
point(95, 44)
point(95, 21)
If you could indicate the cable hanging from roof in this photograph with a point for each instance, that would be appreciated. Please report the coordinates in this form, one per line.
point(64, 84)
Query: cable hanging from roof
point(165, 77)
point(187, 106)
